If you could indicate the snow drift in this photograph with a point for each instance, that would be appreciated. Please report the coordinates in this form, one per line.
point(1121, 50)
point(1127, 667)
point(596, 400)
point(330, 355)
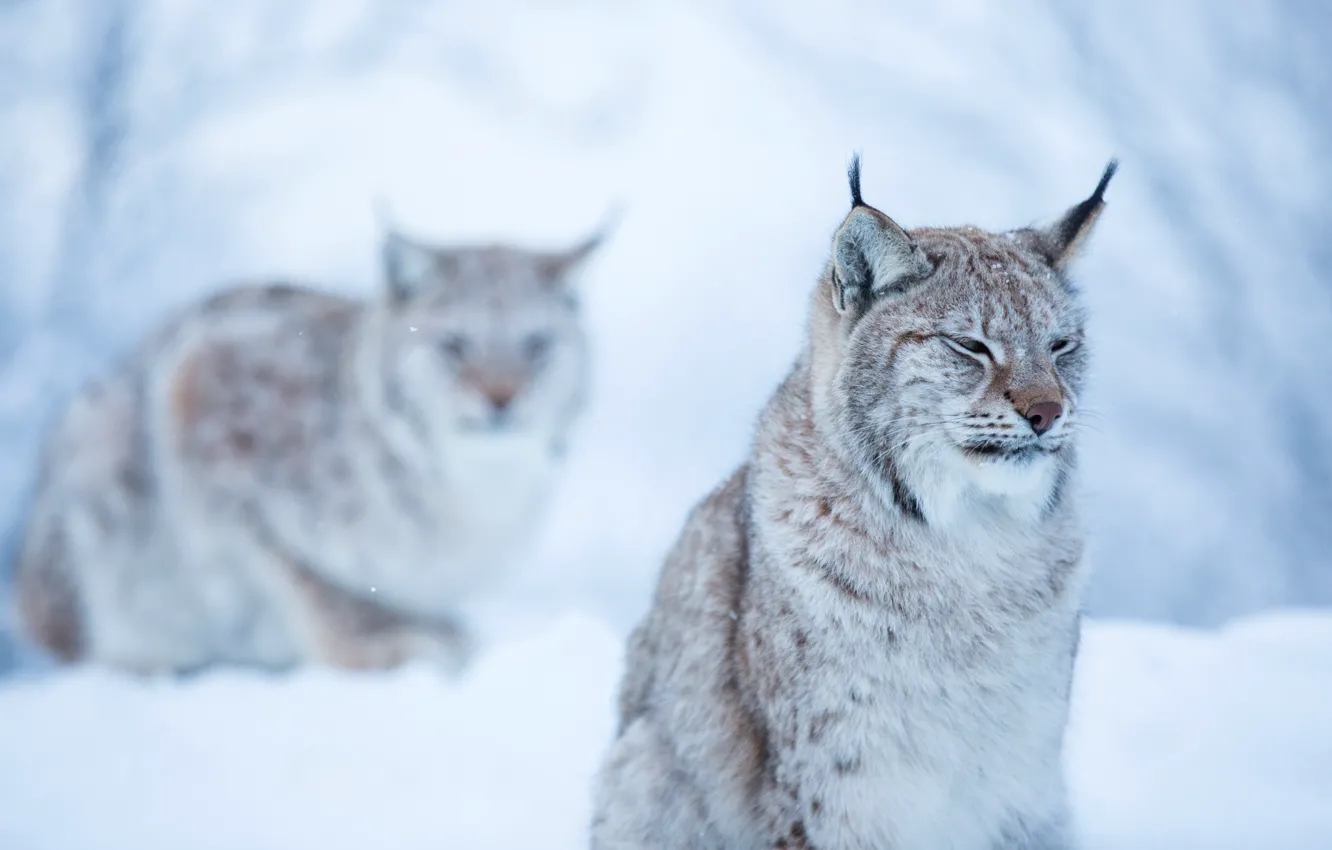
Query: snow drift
point(1180, 739)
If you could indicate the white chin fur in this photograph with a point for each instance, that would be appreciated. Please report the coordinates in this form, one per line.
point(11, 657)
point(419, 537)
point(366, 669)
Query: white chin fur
point(1016, 478)
point(952, 486)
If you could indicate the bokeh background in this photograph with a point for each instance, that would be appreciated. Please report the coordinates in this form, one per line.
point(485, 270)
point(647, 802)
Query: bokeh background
point(154, 150)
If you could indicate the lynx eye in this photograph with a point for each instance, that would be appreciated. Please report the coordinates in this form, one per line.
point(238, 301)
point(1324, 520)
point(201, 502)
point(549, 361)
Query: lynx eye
point(537, 346)
point(455, 347)
point(969, 345)
point(1062, 345)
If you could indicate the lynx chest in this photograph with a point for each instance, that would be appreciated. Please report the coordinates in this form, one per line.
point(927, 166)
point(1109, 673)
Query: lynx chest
point(936, 724)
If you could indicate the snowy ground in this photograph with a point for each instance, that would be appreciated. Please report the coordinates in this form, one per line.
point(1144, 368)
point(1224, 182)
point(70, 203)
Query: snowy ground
point(503, 759)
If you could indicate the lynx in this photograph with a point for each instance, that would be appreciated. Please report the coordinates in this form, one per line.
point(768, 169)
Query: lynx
point(283, 475)
point(865, 638)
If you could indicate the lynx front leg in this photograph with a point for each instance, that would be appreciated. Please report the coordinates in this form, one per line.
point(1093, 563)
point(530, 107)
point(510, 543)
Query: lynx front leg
point(643, 801)
point(359, 633)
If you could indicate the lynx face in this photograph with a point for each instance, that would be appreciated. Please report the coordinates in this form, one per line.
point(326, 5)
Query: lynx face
point(961, 360)
point(485, 340)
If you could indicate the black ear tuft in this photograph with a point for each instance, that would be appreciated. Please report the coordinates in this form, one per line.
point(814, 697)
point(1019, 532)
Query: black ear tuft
point(1061, 241)
point(853, 177)
point(1071, 226)
point(1111, 167)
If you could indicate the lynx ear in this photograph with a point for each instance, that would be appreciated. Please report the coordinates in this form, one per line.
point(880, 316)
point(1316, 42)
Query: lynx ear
point(872, 255)
point(563, 268)
point(1061, 241)
point(410, 267)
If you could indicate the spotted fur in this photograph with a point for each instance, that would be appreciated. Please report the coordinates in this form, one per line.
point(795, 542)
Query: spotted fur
point(865, 637)
point(282, 475)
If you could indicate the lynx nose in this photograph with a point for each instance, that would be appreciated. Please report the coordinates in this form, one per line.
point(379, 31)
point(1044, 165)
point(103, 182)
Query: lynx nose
point(1042, 415)
point(500, 397)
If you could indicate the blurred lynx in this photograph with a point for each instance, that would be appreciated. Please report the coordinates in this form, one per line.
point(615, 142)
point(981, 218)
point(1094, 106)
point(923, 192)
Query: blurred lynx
point(865, 638)
point(283, 475)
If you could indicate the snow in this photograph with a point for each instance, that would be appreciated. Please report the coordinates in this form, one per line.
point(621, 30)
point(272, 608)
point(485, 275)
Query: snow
point(1203, 739)
point(503, 758)
point(324, 760)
